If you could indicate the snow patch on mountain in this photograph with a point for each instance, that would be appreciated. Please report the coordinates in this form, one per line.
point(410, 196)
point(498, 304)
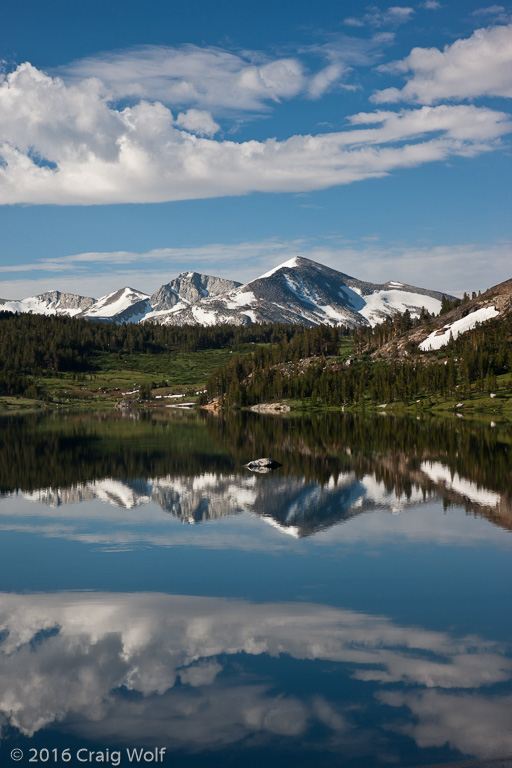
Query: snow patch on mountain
point(32, 305)
point(334, 314)
point(387, 302)
point(304, 292)
point(114, 303)
point(50, 303)
point(352, 297)
point(205, 317)
point(440, 338)
point(241, 299)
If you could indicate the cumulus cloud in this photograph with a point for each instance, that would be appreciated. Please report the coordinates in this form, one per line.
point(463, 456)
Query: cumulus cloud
point(66, 144)
point(197, 121)
point(480, 65)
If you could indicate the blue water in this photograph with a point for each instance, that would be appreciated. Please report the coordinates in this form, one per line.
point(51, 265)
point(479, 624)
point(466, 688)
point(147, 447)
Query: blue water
point(299, 622)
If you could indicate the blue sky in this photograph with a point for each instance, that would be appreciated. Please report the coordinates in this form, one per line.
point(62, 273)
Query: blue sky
point(141, 139)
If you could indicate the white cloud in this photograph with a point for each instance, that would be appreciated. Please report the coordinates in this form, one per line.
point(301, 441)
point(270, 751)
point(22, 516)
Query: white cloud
point(351, 21)
point(498, 12)
point(221, 81)
point(64, 144)
point(206, 78)
point(480, 65)
point(400, 12)
point(375, 17)
point(324, 79)
point(458, 268)
point(42, 115)
point(490, 10)
point(197, 121)
point(431, 5)
point(343, 53)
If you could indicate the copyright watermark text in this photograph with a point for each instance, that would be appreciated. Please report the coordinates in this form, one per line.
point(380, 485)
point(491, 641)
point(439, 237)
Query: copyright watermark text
point(112, 757)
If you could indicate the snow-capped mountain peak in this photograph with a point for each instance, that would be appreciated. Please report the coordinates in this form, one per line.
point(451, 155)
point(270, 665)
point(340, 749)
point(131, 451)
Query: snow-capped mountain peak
point(298, 291)
point(119, 306)
point(303, 291)
point(117, 301)
point(294, 262)
point(49, 303)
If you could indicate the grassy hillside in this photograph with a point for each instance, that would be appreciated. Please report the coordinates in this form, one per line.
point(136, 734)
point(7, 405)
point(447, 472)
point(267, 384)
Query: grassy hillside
point(63, 361)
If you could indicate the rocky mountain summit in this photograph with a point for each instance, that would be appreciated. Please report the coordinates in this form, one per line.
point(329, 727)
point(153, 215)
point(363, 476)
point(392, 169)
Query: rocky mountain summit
point(189, 288)
point(304, 292)
point(300, 291)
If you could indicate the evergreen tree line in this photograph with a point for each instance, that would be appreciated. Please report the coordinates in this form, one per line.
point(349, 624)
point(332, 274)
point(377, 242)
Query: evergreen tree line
point(82, 448)
point(37, 345)
point(370, 339)
point(474, 360)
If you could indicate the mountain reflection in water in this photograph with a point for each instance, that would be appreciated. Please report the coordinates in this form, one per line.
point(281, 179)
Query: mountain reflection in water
point(190, 466)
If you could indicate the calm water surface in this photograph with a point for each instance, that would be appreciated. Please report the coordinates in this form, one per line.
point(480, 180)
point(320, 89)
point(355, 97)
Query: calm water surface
point(351, 608)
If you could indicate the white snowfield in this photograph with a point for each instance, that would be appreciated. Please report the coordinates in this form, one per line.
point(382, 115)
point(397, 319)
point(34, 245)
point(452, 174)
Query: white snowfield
point(115, 302)
point(208, 317)
point(332, 313)
point(240, 299)
point(36, 305)
point(438, 339)
point(390, 301)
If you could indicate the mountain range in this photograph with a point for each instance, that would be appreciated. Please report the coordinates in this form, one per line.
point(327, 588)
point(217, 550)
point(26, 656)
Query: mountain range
point(299, 291)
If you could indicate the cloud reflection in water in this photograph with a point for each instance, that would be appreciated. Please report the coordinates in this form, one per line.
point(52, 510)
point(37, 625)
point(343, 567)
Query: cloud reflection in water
point(71, 658)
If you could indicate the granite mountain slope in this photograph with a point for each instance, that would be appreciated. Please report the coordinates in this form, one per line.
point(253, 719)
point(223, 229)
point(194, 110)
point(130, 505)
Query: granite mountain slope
point(305, 292)
point(436, 333)
point(300, 291)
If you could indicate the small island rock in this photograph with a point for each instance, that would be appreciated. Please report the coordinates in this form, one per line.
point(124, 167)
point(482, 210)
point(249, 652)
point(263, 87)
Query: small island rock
point(262, 465)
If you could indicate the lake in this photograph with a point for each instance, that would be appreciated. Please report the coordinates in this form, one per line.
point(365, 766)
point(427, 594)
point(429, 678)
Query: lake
point(162, 604)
